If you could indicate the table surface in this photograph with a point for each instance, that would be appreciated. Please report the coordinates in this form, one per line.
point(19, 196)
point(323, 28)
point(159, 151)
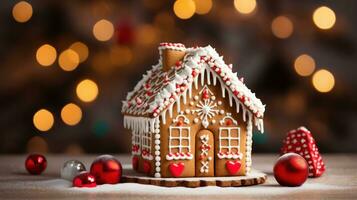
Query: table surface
point(339, 181)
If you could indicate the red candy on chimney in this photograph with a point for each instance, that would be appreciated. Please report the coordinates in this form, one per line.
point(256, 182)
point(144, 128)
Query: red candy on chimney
point(300, 141)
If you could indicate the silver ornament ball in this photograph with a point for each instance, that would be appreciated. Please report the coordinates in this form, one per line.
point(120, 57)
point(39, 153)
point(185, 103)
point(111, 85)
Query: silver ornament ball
point(71, 169)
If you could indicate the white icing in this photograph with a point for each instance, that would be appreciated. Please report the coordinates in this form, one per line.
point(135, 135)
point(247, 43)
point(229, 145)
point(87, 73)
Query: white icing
point(205, 167)
point(204, 141)
point(248, 145)
point(156, 123)
point(222, 155)
point(228, 116)
point(205, 108)
point(196, 120)
point(205, 147)
point(172, 46)
point(179, 156)
point(137, 124)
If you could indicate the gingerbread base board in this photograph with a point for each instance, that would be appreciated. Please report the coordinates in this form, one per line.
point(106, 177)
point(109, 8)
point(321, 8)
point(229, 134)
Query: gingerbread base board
point(254, 178)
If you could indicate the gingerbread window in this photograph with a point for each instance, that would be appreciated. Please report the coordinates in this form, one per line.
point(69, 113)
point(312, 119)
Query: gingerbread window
point(146, 142)
point(136, 143)
point(146, 146)
point(179, 139)
point(229, 138)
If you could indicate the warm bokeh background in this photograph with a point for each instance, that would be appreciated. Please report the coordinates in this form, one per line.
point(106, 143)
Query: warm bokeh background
point(66, 66)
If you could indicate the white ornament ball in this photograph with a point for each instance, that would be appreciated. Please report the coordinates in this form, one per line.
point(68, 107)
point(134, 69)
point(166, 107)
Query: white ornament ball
point(71, 169)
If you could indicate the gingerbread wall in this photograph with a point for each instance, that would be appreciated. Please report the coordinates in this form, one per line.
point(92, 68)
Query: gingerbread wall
point(190, 168)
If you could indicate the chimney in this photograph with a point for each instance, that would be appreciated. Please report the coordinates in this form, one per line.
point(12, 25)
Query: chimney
point(170, 54)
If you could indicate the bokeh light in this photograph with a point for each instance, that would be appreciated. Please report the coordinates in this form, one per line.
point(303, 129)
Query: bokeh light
point(184, 9)
point(304, 65)
point(87, 90)
point(203, 6)
point(37, 144)
point(71, 114)
point(120, 55)
point(22, 11)
point(46, 55)
point(282, 27)
point(68, 60)
point(323, 80)
point(43, 120)
point(81, 49)
point(324, 17)
point(245, 6)
point(103, 30)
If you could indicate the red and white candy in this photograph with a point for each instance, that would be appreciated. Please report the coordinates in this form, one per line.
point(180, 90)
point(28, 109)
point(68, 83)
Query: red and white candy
point(300, 141)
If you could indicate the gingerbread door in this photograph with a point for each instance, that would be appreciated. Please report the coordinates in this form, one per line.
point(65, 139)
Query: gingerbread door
point(204, 153)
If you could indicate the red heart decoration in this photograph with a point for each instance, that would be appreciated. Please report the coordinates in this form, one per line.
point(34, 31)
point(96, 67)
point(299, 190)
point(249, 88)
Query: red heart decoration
point(147, 167)
point(135, 162)
point(176, 169)
point(233, 166)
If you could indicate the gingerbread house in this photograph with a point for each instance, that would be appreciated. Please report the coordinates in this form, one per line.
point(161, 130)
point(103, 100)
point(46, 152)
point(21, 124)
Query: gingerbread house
point(191, 116)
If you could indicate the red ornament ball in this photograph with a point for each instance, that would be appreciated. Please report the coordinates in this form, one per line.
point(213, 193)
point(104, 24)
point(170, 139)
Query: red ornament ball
point(106, 169)
point(84, 179)
point(35, 163)
point(291, 169)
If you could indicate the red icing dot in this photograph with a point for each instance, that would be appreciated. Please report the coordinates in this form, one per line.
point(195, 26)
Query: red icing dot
point(243, 98)
point(178, 63)
point(179, 123)
point(149, 93)
point(229, 122)
point(205, 94)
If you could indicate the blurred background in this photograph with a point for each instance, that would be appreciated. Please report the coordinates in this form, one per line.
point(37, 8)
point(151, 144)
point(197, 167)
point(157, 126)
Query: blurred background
point(66, 66)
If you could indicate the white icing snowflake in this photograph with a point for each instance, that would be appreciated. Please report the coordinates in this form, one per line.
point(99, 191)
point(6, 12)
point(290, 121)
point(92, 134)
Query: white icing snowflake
point(206, 110)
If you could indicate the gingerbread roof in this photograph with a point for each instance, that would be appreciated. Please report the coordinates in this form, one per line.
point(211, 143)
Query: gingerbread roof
point(159, 89)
